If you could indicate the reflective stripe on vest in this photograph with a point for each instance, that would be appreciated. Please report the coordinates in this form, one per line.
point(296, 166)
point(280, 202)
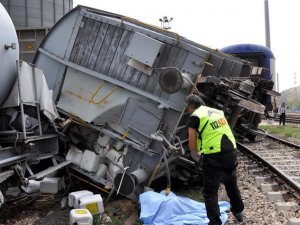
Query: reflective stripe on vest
point(210, 140)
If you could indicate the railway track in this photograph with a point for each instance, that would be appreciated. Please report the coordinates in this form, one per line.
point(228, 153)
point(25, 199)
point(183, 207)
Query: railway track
point(274, 165)
point(269, 198)
point(293, 118)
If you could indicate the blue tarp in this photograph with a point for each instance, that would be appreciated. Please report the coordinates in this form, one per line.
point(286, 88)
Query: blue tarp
point(159, 209)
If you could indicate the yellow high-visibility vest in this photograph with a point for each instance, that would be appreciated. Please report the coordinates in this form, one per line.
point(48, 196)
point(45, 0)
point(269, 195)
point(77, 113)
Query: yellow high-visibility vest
point(213, 125)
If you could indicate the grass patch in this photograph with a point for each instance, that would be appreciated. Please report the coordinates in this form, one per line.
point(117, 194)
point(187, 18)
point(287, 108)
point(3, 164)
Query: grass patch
point(115, 221)
point(287, 131)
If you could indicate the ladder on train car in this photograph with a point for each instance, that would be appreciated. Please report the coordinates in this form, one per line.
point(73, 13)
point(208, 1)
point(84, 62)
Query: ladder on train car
point(181, 128)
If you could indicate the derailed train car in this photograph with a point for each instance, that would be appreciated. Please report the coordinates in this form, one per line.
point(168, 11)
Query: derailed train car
point(120, 85)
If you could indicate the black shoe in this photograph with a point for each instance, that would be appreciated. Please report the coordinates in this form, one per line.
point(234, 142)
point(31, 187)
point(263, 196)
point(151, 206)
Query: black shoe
point(238, 216)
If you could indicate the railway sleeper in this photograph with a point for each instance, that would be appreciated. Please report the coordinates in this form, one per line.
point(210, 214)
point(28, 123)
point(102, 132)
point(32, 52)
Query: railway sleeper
point(263, 179)
point(267, 187)
point(293, 221)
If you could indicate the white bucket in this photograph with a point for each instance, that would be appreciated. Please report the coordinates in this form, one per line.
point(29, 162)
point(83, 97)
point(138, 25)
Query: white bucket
point(93, 203)
point(74, 197)
point(81, 217)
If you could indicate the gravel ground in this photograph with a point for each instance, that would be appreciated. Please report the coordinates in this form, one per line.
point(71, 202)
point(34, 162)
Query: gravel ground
point(258, 210)
point(46, 209)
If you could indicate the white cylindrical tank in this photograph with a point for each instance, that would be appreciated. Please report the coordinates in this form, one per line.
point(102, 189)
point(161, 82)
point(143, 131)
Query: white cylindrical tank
point(9, 53)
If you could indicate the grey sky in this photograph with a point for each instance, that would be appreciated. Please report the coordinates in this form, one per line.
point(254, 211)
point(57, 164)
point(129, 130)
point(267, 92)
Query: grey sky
point(219, 23)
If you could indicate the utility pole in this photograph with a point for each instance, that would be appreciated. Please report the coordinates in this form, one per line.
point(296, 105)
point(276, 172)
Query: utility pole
point(166, 23)
point(295, 84)
point(267, 25)
point(268, 39)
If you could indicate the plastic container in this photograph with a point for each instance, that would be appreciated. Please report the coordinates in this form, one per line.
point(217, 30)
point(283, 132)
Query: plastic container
point(33, 186)
point(114, 170)
point(74, 155)
point(74, 197)
point(93, 203)
point(113, 155)
point(90, 161)
point(81, 217)
point(102, 169)
point(51, 185)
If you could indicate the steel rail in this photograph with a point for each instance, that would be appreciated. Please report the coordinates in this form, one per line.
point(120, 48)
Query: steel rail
point(291, 183)
point(290, 144)
point(290, 118)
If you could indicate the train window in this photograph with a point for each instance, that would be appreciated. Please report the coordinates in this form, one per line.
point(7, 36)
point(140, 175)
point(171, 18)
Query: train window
point(256, 59)
point(253, 60)
point(245, 71)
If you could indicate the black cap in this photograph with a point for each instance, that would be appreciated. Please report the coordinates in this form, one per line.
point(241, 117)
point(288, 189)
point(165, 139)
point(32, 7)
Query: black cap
point(194, 101)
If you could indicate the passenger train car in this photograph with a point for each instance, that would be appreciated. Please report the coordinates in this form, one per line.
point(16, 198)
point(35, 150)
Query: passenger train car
point(259, 56)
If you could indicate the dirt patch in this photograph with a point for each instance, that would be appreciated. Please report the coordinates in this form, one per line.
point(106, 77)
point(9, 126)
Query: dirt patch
point(121, 208)
point(33, 210)
point(47, 210)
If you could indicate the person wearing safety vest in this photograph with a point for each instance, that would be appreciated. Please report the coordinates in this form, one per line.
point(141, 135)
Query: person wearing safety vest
point(212, 145)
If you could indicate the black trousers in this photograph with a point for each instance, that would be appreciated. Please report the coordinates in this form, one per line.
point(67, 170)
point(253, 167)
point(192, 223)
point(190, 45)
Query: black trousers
point(217, 168)
point(282, 118)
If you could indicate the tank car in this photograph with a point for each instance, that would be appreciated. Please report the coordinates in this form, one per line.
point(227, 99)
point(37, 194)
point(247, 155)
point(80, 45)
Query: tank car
point(27, 136)
point(9, 53)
